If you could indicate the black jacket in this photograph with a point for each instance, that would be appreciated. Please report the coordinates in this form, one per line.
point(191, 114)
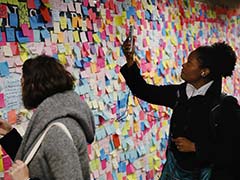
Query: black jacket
point(190, 117)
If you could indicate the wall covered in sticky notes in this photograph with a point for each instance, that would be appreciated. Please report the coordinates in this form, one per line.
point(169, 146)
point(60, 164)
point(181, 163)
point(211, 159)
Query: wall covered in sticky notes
point(86, 37)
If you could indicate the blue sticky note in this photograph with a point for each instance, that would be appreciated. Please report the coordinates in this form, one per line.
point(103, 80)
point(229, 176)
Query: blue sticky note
point(45, 34)
point(36, 35)
point(122, 167)
point(36, 21)
point(147, 15)
point(0, 36)
point(86, 59)
point(4, 70)
point(13, 18)
point(114, 175)
point(37, 3)
point(102, 154)
point(85, 11)
point(139, 151)
point(21, 38)
point(122, 157)
point(69, 23)
point(98, 134)
point(131, 12)
point(142, 126)
point(10, 33)
point(33, 22)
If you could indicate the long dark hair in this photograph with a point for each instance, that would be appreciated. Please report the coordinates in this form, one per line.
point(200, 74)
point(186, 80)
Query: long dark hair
point(42, 77)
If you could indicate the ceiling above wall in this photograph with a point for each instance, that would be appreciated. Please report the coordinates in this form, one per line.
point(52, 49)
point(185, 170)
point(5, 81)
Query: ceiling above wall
point(223, 3)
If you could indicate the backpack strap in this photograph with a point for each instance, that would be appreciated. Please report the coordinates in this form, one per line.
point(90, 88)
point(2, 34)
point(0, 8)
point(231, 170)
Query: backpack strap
point(216, 110)
point(37, 145)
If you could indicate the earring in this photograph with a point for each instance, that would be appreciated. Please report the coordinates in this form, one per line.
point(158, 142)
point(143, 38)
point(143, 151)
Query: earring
point(203, 74)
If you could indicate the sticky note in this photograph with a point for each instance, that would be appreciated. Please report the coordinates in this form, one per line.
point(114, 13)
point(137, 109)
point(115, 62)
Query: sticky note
point(12, 117)
point(4, 70)
point(2, 101)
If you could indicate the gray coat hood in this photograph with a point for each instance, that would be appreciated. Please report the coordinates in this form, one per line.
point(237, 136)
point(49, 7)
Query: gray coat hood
point(60, 105)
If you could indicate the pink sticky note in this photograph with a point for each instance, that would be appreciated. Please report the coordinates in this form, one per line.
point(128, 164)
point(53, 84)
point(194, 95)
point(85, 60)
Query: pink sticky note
point(130, 169)
point(144, 42)
point(85, 3)
point(25, 29)
point(90, 38)
point(7, 176)
point(100, 52)
point(3, 41)
point(103, 35)
point(110, 28)
point(104, 164)
point(114, 109)
point(86, 46)
point(2, 101)
point(108, 14)
point(109, 176)
point(141, 115)
point(7, 162)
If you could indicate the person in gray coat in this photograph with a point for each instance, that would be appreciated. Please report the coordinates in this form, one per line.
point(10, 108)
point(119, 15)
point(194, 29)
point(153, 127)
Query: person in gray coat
point(48, 89)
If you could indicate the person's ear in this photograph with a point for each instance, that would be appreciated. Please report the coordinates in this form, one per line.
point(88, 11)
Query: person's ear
point(205, 72)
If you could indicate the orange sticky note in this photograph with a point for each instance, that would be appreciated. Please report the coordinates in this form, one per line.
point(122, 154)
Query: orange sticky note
point(148, 55)
point(74, 22)
point(116, 140)
point(45, 13)
point(12, 117)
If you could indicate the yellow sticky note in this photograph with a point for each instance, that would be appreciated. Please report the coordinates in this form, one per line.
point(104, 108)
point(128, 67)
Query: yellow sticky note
point(76, 36)
point(119, 176)
point(96, 38)
point(24, 56)
point(1, 164)
point(132, 177)
point(130, 110)
point(93, 67)
point(135, 127)
point(118, 20)
point(60, 37)
point(68, 49)
point(111, 37)
point(153, 148)
point(14, 2)
point(120, 78)
point(62, 59)
point(150, 162)
point(63, 22)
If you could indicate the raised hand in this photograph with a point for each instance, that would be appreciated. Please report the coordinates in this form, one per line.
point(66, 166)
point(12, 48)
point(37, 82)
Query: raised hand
point(128, 50)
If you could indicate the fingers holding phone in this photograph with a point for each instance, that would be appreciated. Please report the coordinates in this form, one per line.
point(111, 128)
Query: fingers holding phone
point(128, 47)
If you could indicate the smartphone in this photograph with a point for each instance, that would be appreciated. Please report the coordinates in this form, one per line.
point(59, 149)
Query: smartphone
point(131, 37)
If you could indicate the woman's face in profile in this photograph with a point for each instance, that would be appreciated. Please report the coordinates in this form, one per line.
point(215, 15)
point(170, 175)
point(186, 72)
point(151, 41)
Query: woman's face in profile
point(191, 70)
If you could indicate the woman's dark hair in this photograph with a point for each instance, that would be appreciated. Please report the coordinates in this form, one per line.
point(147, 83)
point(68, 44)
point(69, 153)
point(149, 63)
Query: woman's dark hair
point(220, 58)
point(43, 76)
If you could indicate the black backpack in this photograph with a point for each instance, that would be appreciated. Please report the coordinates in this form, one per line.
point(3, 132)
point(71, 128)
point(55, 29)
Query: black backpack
point(217, 110)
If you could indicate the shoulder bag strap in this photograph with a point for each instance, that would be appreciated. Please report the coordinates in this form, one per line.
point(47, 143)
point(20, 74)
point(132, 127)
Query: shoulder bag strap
point(37, 145)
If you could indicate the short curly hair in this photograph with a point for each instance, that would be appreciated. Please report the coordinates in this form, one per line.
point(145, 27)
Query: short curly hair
point(42, 77)
point(220, 58)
